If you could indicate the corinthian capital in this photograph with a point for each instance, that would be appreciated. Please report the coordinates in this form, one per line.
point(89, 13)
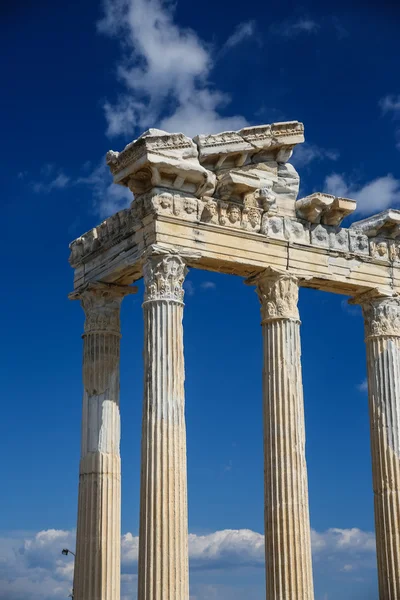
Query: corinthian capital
point(101, 303)
point(381, 316)
point(278, 293)
point(164, 277)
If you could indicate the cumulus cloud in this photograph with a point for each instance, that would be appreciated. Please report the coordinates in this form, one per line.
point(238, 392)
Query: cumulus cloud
point(304, 154)
point(377, 195)
point(163, 72)
point(32, 567)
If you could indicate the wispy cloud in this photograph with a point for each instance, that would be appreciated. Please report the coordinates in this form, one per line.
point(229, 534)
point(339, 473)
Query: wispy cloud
point(208, 285)
point(163, 71)
point(242, 32)
point(304, 154)
point(108, 197)
point(189, 287)
point(292, 28)
point(59, 182)
point(390, 105)
point(363, 386)
point(372, 197)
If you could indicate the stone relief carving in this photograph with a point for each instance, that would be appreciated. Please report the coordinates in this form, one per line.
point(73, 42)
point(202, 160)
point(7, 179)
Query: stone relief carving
point(164, 277)
point(255, 215)
point(239, 180)
point(278, 293)
point(381, 316)
point(101, 303)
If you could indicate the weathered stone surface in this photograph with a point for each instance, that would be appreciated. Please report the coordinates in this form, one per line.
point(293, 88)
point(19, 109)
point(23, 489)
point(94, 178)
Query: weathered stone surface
point(226, 203)
point(324, 208)
point(163, 538)
point(158, 158)
point(385, 224)
point(231, 149)
point(287, 523)
point(98, 535)
point(382, 330)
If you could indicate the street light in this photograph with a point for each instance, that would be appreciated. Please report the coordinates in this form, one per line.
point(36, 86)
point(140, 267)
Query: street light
point(65, 551)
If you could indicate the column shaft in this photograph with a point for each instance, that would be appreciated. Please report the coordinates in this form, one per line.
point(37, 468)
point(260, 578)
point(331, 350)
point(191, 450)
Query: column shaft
point(97, 563)
point(163, 539)
point(382, 324)
point(287, 523)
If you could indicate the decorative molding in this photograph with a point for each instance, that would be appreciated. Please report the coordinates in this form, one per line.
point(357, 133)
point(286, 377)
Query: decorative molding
point(381, 316)
point(101, 303)
point(278, 293)
point(255, 214)
point(164, 277)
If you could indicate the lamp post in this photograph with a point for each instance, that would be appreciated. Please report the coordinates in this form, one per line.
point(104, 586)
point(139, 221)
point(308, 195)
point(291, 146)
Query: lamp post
point(65, 552)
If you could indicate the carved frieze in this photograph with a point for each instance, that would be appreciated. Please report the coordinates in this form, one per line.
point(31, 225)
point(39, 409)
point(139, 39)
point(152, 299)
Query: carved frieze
point(358, 242)
point(255, 214)
point(379, 248)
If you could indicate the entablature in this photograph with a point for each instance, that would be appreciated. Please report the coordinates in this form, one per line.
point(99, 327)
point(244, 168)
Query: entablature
point(228, 202)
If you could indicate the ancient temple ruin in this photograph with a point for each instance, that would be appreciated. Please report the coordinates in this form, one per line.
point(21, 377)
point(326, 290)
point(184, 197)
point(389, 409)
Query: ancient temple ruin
point(226, 202)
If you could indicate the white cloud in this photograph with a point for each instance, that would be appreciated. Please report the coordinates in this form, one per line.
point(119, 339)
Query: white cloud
point(242, 32)
point(291, 28)
point(306, 153)
point(336, 185)
point(59, 182)
point(32, 567)
point(108, 197)
point(390, 104)
point(363, 386)
point(163, 71)
point(189, 287)
point(374, 196)
point(208, 285)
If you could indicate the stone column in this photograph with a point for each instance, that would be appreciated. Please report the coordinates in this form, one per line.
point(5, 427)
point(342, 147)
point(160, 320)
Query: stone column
point(98, 536)
point(382, 331)
point(287, 522)
point(163, 537)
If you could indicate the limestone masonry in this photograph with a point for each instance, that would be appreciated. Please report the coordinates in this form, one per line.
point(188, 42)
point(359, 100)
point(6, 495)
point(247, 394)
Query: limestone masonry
point(226, 202)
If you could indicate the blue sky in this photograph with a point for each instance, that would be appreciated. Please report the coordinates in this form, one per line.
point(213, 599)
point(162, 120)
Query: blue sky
point(81, 79)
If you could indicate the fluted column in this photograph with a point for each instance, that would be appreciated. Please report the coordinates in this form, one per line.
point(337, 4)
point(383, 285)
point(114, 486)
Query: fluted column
point(163, 537)
point(97, 563)
point(382, 331)
point(287, 522)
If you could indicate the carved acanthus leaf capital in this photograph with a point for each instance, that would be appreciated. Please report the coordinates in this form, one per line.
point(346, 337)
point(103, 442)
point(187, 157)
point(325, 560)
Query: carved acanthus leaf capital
point(381, 316)
point(101, 303)
point(164, 277)
point(278, 293)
